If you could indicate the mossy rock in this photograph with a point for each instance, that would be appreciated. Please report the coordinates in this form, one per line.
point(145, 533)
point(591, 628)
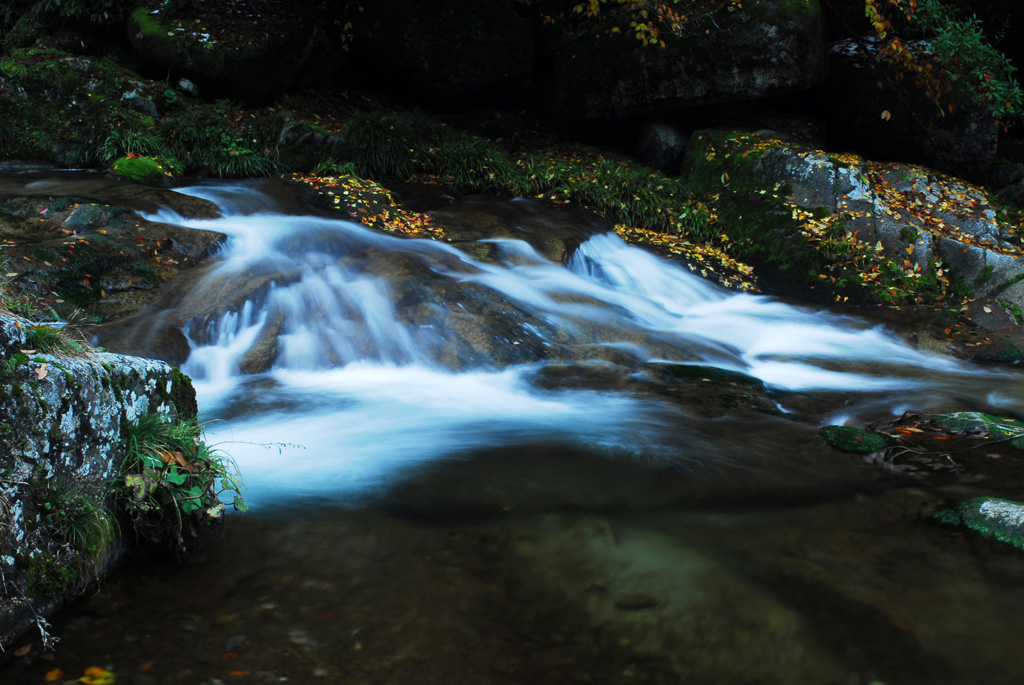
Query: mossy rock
point(998, 519)
point(990, 424)
point(856, 440)
point(146, 170)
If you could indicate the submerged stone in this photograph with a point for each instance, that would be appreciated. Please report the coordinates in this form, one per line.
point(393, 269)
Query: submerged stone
point(998, 519)
point(856, 440)
point(988, 424)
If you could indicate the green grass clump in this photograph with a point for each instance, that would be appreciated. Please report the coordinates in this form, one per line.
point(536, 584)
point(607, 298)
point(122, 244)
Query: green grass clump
point(52, 340)
point(173, 481)
point(399, 145)
point(204, 139)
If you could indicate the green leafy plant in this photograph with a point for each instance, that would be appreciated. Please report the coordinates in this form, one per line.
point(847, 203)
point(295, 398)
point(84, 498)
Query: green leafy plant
point(957, 53)
point(173, 481)
point(132, 138)
point(332, 167)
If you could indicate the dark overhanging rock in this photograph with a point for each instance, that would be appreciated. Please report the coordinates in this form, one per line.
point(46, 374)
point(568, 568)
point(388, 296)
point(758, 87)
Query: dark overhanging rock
point(450, 51)
point(763, 49)
point(251, 59)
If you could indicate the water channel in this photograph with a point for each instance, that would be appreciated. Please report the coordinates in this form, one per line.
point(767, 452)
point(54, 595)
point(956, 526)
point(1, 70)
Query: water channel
point(466, 466)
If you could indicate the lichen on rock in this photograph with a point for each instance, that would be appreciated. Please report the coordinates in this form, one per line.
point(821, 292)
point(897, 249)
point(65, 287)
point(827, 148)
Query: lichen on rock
point(61, 449)
point(998, 519)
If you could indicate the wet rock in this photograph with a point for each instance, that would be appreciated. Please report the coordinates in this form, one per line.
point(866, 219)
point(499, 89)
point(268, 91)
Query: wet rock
point(997, 519)
point(856, 440)
point(763, 49)
point(100, 258)
point(554, 232)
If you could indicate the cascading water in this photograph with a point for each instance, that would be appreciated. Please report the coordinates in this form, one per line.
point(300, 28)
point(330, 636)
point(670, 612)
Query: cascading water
point(469, 470)
point(374, 352)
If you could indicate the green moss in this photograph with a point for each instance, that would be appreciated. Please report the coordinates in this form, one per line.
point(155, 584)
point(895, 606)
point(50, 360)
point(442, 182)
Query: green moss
point(985, 275)
point(148, 24)
point(980, 421)
point(145, 170)
point(316, 128)
point(46, 575)
point(999, 519)
point(856, 440)
point(908, 234)
point(1014, 309)
point(183, 395)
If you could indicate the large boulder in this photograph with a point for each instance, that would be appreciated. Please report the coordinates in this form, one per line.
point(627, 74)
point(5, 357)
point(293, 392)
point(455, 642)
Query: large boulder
point(451, 50)
point(226, 48)
point(902, 231)
point(62, 447)
point(765, 48)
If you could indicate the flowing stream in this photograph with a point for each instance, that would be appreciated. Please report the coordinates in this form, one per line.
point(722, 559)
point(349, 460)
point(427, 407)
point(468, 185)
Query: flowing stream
point(472, 470)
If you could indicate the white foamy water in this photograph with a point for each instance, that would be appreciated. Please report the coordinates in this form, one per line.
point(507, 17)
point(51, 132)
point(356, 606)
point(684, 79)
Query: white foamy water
point(358, 391)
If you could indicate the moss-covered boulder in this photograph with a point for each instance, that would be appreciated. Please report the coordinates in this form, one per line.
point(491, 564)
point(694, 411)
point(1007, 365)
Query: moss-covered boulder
point(303, 145)
point(856, 440)
point(450, 50)
point(998, 519)
point(62, 420)
point(242, 51)
point(145, 170)
point(987, 425)
point(765, 48)
point(841, 227)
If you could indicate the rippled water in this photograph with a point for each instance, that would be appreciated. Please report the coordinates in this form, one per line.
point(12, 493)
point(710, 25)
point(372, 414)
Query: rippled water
point(438, 497)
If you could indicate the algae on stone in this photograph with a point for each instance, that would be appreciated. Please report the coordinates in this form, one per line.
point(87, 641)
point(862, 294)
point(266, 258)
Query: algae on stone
point(998, 519)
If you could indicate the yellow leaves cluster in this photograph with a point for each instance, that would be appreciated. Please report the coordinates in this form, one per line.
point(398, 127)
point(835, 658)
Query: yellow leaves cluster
point(371, 204)
point(707, 260)
point(94, 675)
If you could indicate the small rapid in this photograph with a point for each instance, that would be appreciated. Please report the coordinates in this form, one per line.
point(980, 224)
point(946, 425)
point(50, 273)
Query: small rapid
point(334, 357)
